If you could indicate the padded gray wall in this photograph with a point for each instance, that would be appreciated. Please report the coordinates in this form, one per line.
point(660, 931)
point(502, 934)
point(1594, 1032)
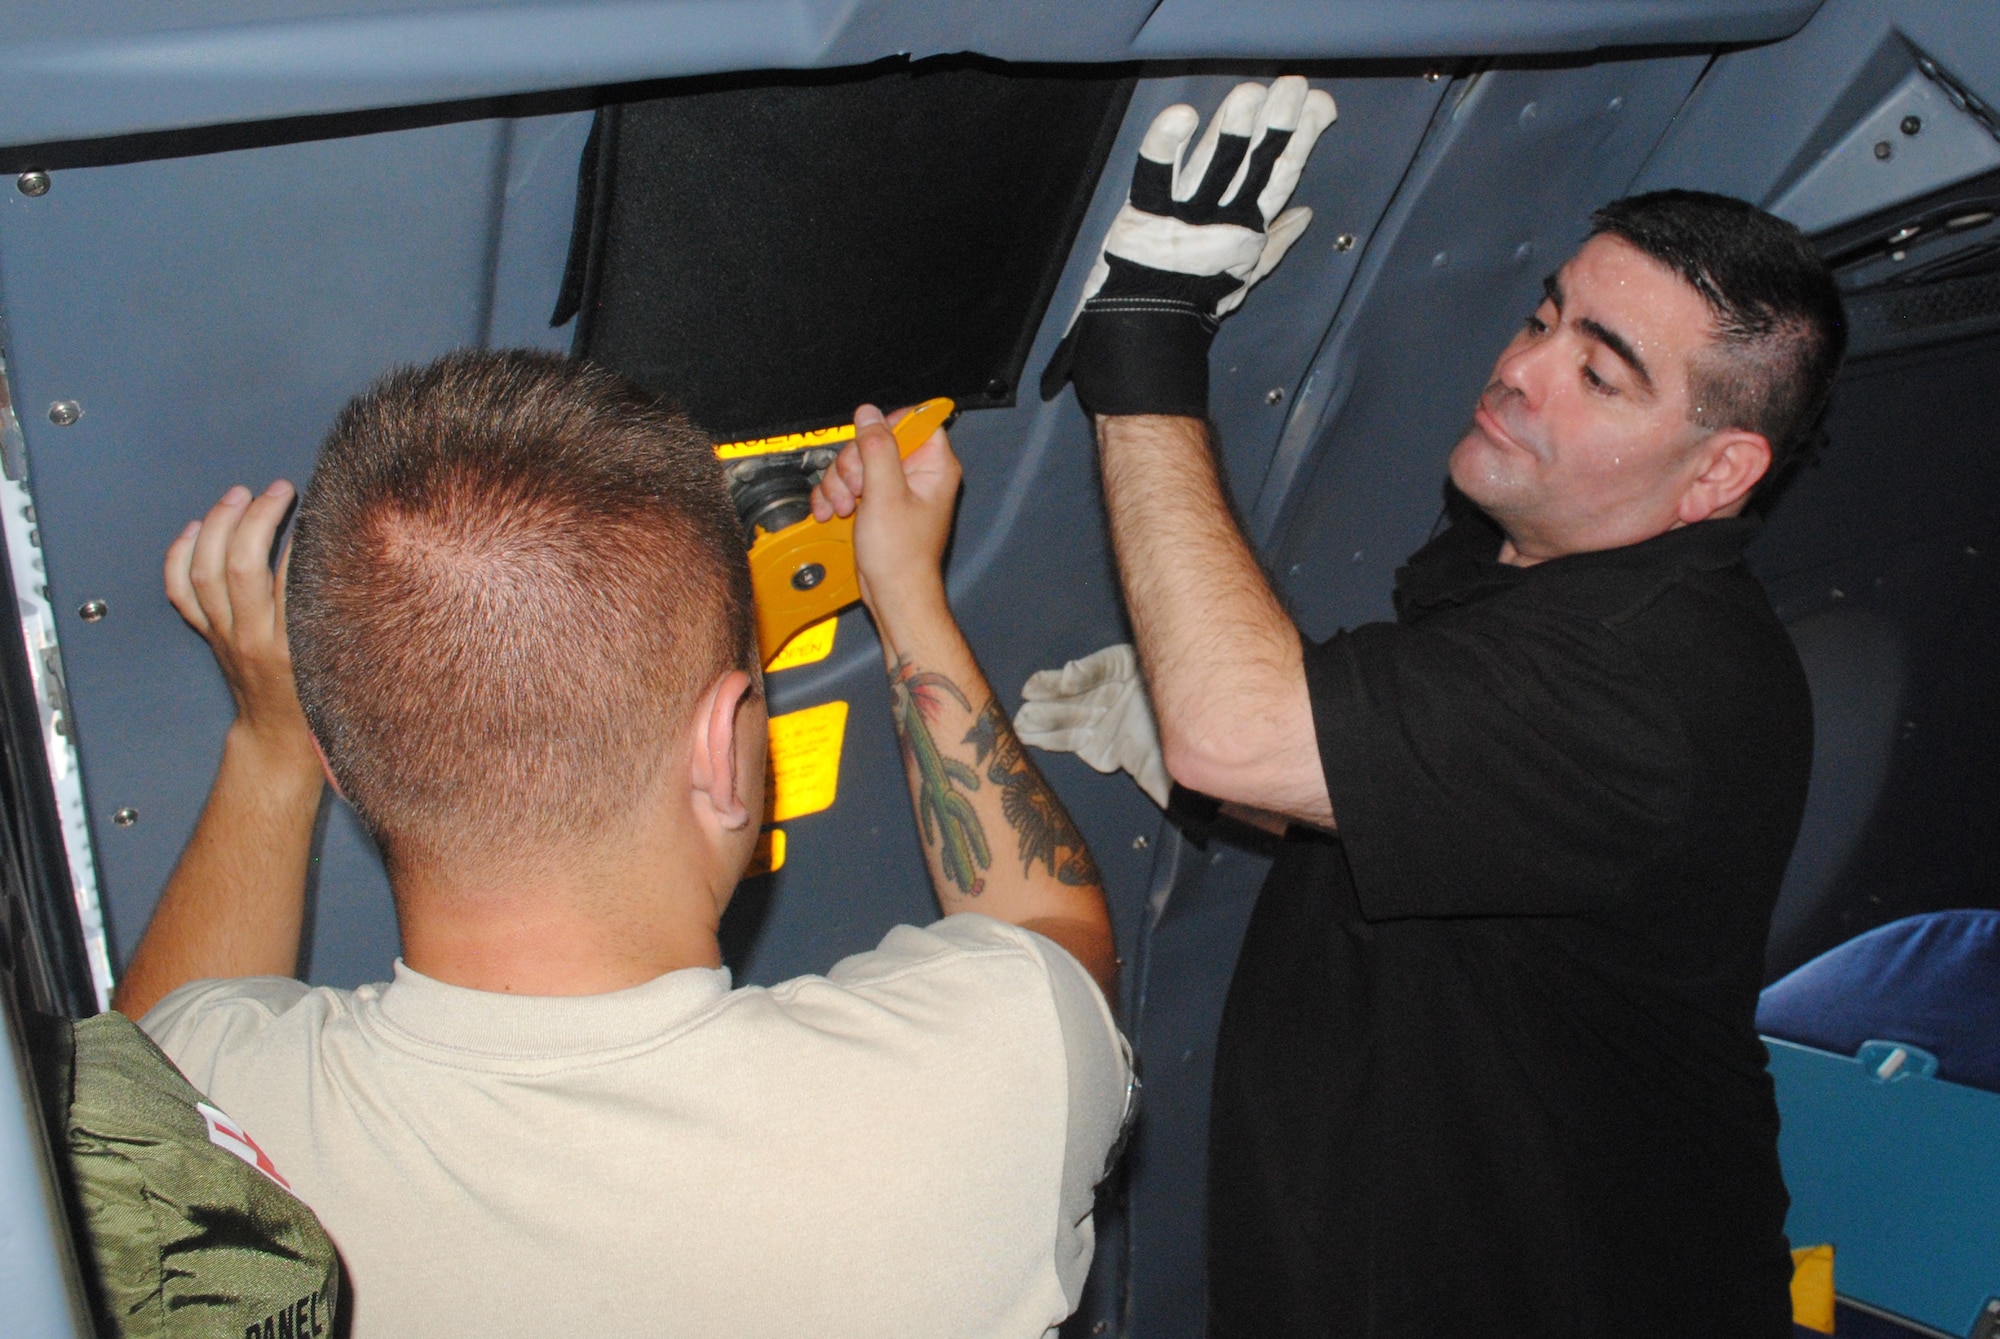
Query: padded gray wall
point(209, 314)
point(110, 67)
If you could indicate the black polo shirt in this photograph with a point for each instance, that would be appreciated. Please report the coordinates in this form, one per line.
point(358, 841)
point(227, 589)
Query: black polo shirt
point(1488, 1065)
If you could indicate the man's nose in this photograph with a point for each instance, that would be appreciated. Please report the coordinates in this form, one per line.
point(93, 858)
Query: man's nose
point(1525, 367)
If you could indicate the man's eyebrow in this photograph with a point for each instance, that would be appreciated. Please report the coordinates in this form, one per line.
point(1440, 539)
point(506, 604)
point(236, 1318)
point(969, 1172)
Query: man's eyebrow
point(1552, 289)
point(1615, 342)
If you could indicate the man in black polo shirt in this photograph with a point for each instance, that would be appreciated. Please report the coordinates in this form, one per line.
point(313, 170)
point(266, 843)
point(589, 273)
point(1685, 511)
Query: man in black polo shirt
point(1488, 1063)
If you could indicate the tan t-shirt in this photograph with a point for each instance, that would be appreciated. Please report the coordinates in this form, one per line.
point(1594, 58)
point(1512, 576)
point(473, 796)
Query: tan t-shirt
point(905, 1146)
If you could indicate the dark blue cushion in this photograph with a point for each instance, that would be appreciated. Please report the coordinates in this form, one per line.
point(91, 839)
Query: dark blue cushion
point(1931, 981)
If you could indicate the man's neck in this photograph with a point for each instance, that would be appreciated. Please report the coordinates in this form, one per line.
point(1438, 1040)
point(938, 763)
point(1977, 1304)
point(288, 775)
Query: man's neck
point(583, 930)
point(1516, 555)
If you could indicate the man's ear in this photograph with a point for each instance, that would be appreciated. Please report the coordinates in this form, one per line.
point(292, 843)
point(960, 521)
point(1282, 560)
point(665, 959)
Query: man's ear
point(1732, 462)
point(325, 766)
point(718, 768)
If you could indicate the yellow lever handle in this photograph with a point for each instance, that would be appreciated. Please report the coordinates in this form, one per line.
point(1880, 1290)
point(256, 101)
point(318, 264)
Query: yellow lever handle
point(805, 572)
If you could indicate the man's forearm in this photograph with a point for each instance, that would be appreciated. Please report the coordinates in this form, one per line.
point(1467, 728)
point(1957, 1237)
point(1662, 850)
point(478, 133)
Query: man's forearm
point(235, 904)
point(1223, 660)
point(995, 837)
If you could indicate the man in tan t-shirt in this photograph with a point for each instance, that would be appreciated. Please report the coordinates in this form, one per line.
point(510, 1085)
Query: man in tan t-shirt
point(520, 628)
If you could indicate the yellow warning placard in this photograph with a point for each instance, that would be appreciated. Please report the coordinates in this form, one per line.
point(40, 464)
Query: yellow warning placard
point(805, 760)
point(814, 644)
point(791, 441)
point(769, 856)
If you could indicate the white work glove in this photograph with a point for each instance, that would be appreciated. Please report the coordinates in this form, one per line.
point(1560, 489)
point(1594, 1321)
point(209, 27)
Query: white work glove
point(1097, 709)
point(1194, 235)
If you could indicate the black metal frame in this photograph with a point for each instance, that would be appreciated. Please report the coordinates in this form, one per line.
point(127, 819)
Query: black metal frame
point(41, 939)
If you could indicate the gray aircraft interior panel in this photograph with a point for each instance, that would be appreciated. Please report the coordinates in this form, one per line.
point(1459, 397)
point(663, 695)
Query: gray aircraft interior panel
point(119, 67)
point(235, 301)
point(1764, 116)
point(1260, 369)
point(1444, 28)
point(38, 1273)
point(1882, 558)
point(1914, 141)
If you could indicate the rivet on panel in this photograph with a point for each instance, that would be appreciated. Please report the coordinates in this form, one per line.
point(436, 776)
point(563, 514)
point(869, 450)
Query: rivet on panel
point(92, 611)
point(1884, 149)
point(62, 413)
point(1440, 260)
point(126, 817)
point(32, 183)
point(1524, 251)
point(1615, 105)
point(1276, 395)
point(1344, 242)
point(1139, 842)
point(1912, 124)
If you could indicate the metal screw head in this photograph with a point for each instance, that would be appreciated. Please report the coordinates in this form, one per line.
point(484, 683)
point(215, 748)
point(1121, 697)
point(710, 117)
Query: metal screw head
point(1139, 842)
point(1276, 395)
point(32, 183)
point(62, 413)
point(125, 818)
point(1344, 242)
point(1912, 124)
point(90, 611)
point(1884, 149)
point(808, 576)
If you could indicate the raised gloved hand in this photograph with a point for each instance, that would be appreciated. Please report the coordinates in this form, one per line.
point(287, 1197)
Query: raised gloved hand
point(1097, 709)
point(1194, 235)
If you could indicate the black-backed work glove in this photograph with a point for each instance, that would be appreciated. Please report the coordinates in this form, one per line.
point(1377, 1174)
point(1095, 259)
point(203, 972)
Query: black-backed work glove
point(1191, 240)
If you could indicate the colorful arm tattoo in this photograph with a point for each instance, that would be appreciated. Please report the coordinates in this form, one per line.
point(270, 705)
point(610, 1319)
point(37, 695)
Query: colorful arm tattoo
point(947, 818)
point(1038, 818)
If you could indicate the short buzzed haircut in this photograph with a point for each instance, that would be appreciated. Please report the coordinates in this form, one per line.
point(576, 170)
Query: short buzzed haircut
point(512, 576)
point(1781, 330)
